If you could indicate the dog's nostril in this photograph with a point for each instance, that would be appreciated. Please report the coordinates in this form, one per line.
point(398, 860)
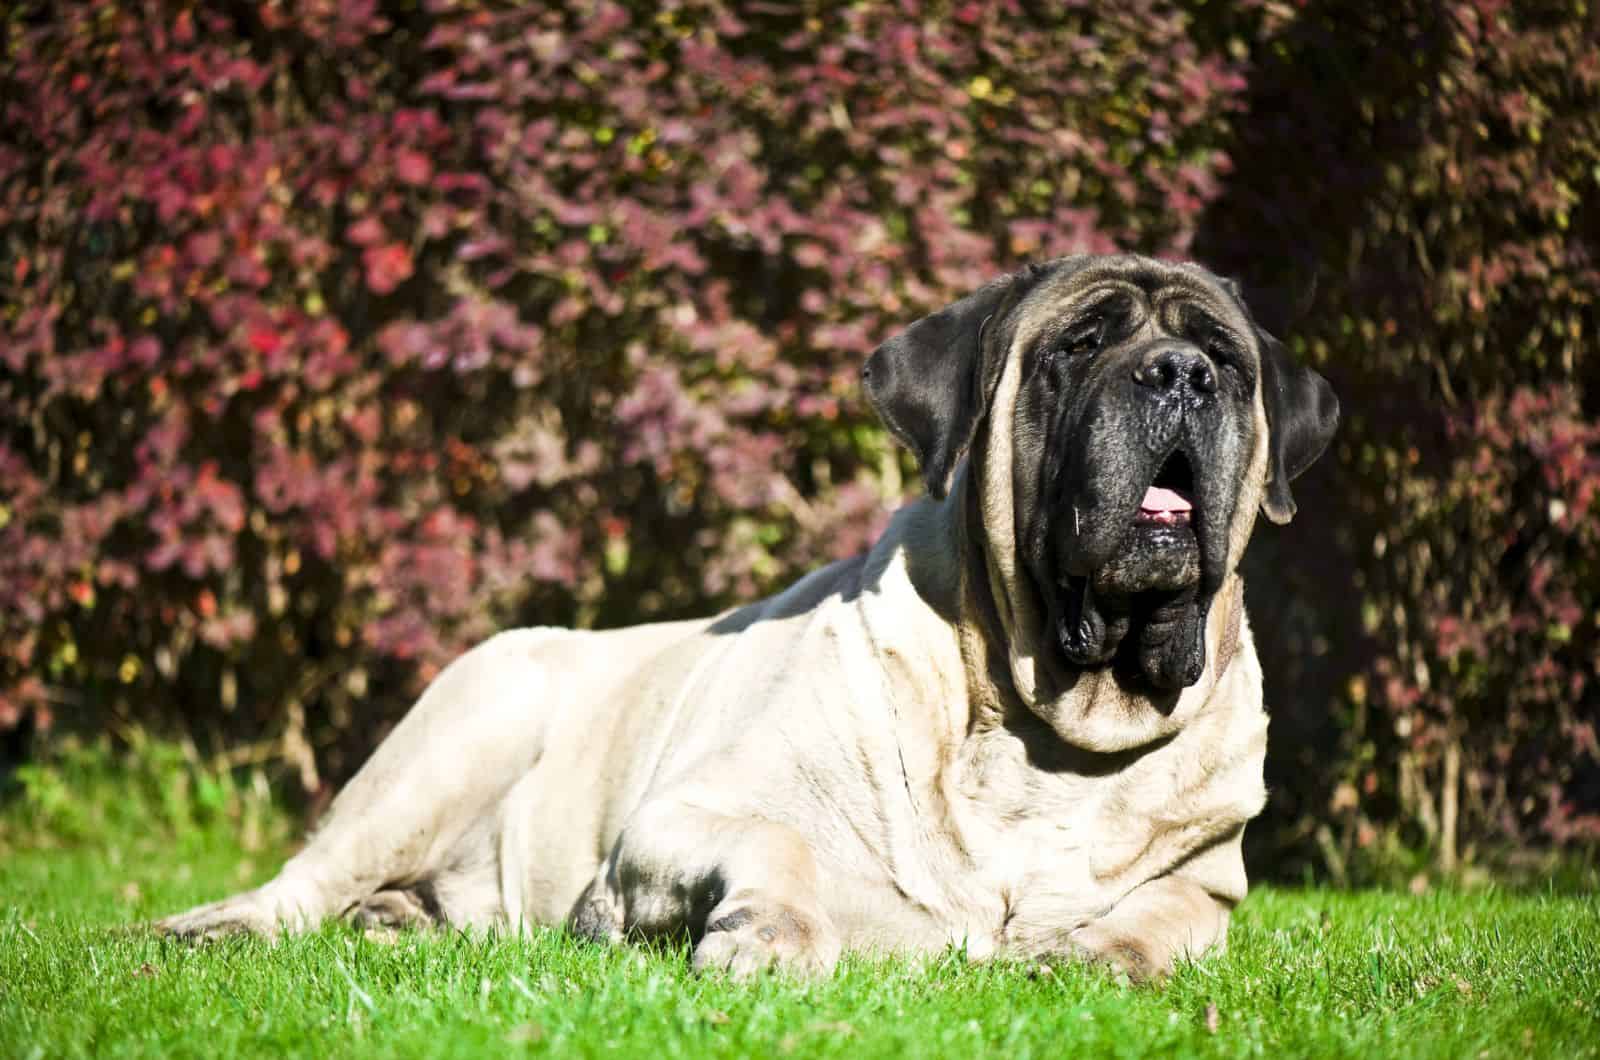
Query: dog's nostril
point(1158, 373)
point(1170, 369)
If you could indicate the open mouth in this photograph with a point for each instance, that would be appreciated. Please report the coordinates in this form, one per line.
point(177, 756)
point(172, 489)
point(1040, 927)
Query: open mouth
point(1169, 500)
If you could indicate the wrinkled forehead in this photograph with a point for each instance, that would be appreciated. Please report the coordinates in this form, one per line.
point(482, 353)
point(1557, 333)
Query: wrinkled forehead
point(1073, 286)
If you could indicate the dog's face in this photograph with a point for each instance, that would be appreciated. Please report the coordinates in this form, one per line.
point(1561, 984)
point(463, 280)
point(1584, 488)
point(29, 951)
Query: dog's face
point(1126, 419)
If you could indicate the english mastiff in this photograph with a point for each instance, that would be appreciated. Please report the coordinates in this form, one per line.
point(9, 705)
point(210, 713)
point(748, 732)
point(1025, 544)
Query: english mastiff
point(1028, 722)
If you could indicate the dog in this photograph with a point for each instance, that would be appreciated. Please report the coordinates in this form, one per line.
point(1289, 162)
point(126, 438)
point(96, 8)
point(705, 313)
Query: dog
point(1028, 722)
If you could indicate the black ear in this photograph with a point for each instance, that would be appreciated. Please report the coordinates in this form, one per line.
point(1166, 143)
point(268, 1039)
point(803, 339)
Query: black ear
point(1302, 414)
point(929, 383)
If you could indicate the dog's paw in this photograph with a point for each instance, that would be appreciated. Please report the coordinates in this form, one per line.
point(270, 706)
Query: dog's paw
point(747, 940)
point(391, 909)
point(596, 916)
point(1141, 960)
point(286, 905)
point(250, 913)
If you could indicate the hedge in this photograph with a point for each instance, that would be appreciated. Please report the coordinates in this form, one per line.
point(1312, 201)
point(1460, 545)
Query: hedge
point(337, 335)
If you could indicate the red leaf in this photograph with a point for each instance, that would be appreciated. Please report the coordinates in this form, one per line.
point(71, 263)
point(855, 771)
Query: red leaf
point(366, 232)
point(145, 351)
point(412, 167)
point(388, 267)
point(264, 340)
point(204, 248)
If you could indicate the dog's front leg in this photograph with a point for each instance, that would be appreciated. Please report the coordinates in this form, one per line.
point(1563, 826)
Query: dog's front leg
point(745, 889)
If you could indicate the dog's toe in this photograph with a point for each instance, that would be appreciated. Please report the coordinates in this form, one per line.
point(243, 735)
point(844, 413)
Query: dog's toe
point(745, 942)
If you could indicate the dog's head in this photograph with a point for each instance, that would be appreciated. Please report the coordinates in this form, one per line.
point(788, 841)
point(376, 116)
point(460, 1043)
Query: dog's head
point(1126, 420)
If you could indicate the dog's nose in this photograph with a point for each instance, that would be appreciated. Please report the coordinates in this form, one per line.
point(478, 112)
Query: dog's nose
point(1176, 368)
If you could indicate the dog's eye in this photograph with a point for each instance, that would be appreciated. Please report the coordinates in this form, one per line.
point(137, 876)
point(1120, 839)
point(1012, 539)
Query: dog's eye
point(1085, 338)
point(1221, 349)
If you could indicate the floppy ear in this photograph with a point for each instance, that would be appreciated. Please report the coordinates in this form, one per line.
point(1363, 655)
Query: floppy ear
point(1302, 414)
point(928, 381)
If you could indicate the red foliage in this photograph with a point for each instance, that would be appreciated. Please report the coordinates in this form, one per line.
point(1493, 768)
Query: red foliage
point(1500, 657)
point(338, 335)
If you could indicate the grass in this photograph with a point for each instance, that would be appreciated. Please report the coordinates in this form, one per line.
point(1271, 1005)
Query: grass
point(92, 849)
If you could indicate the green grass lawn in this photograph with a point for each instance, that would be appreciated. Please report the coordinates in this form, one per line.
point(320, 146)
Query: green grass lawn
point(1309, 972)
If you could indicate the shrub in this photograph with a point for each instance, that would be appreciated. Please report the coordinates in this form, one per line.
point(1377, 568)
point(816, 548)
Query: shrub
point(338, 335)
point(1435, 166)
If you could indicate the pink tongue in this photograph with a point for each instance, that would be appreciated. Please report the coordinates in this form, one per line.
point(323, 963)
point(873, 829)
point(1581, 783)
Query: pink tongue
point(1160, 499)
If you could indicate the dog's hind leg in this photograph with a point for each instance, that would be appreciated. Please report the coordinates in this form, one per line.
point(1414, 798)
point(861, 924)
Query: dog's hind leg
point(438, 777)
point(746, 889)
